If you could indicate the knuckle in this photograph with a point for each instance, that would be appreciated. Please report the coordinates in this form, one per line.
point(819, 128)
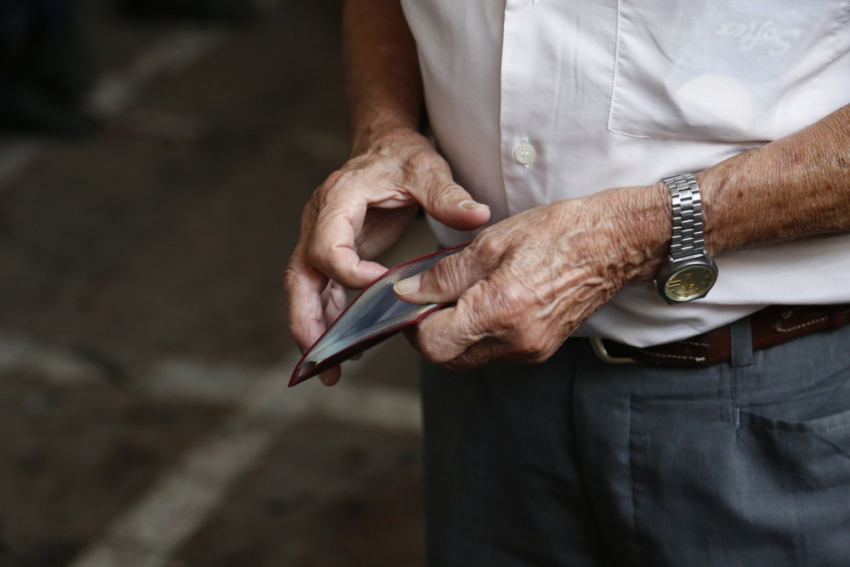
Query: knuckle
point(338, 186)
point(535, 345)
point(479, 320)
point(508, 301)
point(514, 294)
point(323, 192)
point(433, 354)
point(329, 262)
point(315, 256)
point(528, 339)
point(487, 246)
point(442, 192)
point(297, 272)
point(531, 350)
point(290, 276)
point(428, 170)
point(425, 161)
point(443, 275)
point(332, 180)
point(527, 343)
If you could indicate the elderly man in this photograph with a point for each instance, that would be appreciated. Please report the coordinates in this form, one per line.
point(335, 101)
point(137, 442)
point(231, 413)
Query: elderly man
point(603, 391)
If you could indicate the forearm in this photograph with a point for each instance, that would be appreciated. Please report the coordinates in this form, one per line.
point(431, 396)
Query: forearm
point(383, 83)
point(526, 283)
point(796, 187)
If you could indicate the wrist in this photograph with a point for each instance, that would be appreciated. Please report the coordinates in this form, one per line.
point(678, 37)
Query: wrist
point(383, 83)
point(381, 133)
point(712, 182)
point(689, 272)
point(641, 226)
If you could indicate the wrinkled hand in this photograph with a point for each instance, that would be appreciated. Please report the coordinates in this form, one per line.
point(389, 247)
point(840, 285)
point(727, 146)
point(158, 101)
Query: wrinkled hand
point(358, 213)
point(526, 283)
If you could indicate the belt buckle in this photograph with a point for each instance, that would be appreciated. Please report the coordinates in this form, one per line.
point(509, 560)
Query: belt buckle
point(602, 353)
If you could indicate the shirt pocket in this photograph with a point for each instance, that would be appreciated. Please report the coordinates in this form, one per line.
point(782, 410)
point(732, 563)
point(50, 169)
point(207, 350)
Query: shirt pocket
point(727, 70)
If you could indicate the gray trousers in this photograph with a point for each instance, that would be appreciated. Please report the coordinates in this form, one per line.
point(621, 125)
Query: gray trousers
point(579, 463)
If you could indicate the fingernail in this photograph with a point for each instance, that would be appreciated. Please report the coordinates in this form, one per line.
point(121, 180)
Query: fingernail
point(472, 205)
point(408, 286)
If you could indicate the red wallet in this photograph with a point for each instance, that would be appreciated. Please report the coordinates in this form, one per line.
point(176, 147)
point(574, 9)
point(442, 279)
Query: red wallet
point(374, 315)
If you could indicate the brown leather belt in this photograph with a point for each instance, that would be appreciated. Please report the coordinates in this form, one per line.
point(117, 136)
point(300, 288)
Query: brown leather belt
point(770, 327)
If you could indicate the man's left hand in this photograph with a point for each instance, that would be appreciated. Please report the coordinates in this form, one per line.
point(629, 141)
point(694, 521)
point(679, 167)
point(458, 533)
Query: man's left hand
point(526, 283)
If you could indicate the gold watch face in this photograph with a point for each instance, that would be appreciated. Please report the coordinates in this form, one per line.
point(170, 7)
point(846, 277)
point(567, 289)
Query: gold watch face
point(689, 283)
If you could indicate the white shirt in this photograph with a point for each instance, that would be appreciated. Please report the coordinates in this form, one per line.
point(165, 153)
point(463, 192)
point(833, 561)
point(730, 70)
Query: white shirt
point(532, 101)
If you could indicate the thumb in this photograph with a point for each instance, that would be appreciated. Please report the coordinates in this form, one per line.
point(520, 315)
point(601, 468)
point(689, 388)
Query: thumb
point(450, 204)
point(444, 283)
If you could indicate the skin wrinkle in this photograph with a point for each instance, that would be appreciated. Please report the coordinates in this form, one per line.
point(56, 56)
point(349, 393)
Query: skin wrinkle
point(530, 312)
point(445, 344)
point(378, 228)
point(790, 189)
point(382, 80)
point(335, 302)
point(331, 256)
point(797, 187)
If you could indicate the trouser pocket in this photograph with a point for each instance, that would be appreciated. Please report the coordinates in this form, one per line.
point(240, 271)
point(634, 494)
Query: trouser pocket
point(758, 474)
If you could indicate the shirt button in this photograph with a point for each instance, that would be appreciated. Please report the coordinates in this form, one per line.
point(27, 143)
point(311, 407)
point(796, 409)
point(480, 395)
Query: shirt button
point(525, 154)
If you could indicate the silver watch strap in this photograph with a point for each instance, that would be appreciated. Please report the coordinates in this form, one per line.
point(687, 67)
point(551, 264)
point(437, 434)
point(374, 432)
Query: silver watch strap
point(687, 216)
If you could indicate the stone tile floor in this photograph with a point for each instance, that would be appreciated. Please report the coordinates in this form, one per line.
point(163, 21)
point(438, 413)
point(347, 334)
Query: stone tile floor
point(143, 345)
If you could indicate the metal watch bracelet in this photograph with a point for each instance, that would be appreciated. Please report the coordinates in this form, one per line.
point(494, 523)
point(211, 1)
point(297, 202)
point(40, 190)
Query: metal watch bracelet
point(687, 238)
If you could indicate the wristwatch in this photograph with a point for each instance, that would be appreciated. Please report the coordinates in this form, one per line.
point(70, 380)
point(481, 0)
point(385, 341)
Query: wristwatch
point(689, 272)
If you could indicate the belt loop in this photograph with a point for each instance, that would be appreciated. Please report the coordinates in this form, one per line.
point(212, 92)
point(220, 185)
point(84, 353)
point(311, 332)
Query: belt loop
point(741, 337)
point(838, 316)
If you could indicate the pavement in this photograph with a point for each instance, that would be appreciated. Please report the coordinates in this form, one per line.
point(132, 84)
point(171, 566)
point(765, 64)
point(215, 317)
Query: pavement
point(144, 353)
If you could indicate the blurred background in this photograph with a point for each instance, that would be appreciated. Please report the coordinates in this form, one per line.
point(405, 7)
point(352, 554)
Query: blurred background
point(154, 159)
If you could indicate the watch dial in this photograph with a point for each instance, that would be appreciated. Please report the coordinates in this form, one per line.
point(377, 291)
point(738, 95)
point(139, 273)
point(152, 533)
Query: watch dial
point(689, 283)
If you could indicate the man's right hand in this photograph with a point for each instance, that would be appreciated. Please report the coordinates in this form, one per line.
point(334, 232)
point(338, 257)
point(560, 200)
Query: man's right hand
point(358, 213)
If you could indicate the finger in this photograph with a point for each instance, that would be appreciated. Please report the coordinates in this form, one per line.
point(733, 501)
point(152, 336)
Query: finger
point(486, 314)
point(331, 376)
point(490, 322)
point(450, 203)
point(453, 353)
point(334, 301)
point(478, 354)
point(422, 338)
point(448, 279)
point(445, 335)
point(382, 228)
point(439, 341)
point(332, 247)
point(304, 288)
